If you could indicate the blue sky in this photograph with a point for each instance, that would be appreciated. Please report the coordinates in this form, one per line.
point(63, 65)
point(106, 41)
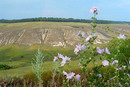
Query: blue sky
point(118, 10)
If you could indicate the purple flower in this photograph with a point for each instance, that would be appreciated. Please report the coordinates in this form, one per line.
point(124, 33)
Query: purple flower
point(55, 58)
point(88, 38)
point(64, 73)
point(69, 75)
point(107, 51)
point(83, 47)
point(94, 34)
point(64, 60)
point(77, 77)
point(114, 62)
point(120, 84)
point(93, 10)
point(121, 36)
point(78, 48)
point(128, 75)
point(83, 34)
point(105, 63)
point(99, 75)
point(60, 55)
point(100, 51)
point(120, 68)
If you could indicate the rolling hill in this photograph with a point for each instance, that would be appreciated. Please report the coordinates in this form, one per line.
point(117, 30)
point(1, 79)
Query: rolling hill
point(56, 33)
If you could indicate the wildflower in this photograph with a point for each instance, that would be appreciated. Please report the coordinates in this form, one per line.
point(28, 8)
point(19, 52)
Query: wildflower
point(77, 77)
point(88, 38)
point(124, 67)
point(60, 55)
point(64, 73)
point(100, 51)
point(55, 58)
point(64, 60)
point(93, 10)
point(121, 36)
point(107, 51)
point(105, 63)
point(94, 34)
point(128, 75)
point(120, 84)
point(78, 48)
point(83, 47)
point(83, 34)
point(99, 75)
point(120, 68)
point(114, 62)
point(69, 75)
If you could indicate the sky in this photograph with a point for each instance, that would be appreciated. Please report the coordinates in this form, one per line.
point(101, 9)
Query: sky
point(116, 10)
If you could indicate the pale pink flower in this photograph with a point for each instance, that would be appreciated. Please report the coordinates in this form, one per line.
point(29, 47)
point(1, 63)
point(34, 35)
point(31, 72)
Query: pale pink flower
point(65, 73)
point(99, 75)
point(107, 51)
point(88, 38)
point(78, 48)
point(94, 34)
point(100, 51)
point(77, 77)
point(121, 36)
point(65, 60)
point(83, 34)
point(128, 75)
point(105, 63)
point(120, 68)
point(69, 75)
point(114, 62)
point(55, 58)
point(93, 10)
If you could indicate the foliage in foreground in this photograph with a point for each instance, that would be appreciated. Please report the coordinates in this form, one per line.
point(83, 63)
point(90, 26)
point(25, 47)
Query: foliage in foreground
point(115, 75)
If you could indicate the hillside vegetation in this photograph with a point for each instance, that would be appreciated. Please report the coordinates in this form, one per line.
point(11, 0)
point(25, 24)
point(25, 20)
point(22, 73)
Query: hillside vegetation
point(51, 19)
point(55, 34)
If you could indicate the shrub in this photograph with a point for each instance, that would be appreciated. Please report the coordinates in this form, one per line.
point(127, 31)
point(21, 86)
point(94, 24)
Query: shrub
point(5, 67)
point(120, 50)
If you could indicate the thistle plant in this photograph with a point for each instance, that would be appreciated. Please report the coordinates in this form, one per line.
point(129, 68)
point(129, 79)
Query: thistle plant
point(37, 66)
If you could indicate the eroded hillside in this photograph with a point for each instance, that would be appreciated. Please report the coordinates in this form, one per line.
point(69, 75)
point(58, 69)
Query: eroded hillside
point(56, 33)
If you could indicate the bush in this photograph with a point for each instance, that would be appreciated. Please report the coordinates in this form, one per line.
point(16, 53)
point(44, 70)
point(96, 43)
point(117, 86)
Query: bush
point(120, 50)
point(5, 67)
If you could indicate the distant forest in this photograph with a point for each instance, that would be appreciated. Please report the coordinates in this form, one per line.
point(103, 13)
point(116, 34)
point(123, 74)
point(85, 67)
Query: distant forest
point(51, 19)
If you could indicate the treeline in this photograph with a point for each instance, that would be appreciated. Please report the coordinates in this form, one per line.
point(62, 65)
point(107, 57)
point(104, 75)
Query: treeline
point(50, 19)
